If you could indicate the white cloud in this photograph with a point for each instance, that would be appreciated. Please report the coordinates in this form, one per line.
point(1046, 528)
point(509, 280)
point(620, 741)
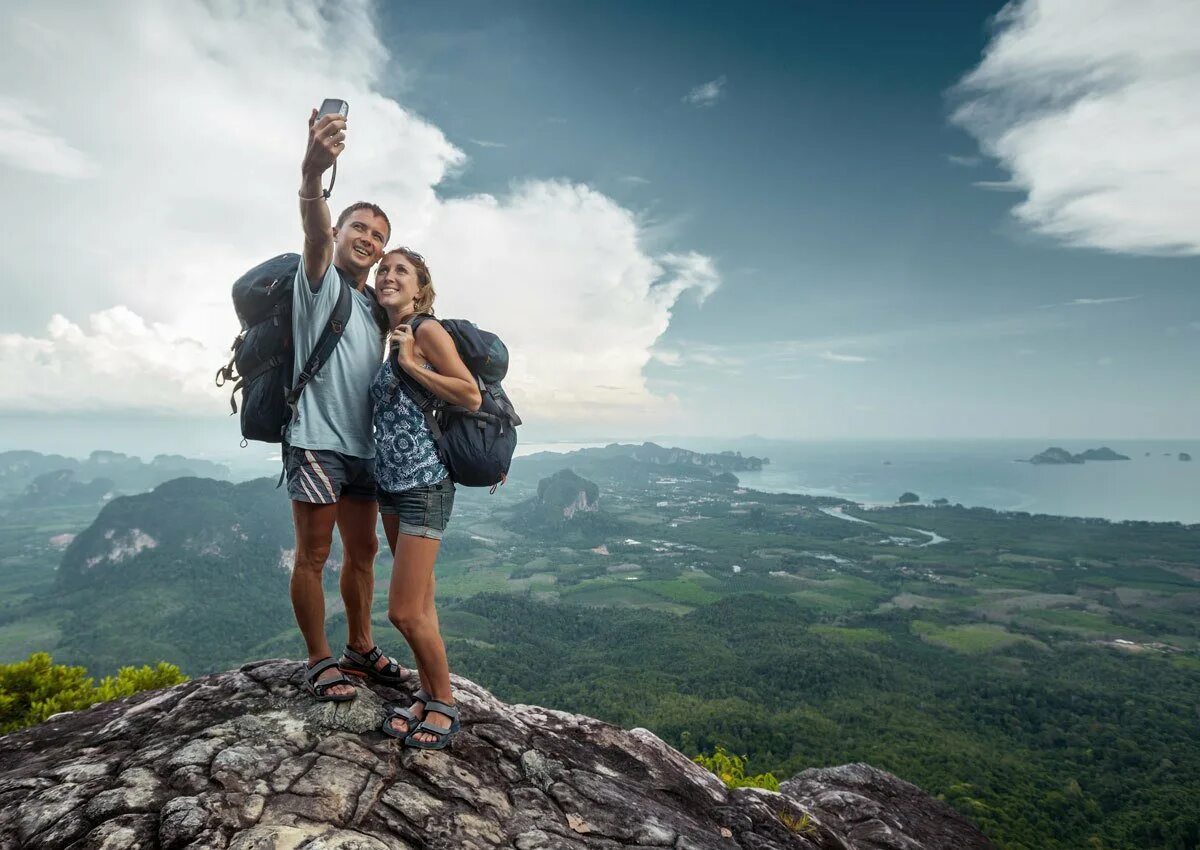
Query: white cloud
point(1091, 302)
point(633, 178)
point(484, 143)
point(965, 161)
point(1087, 302)
point(556, 270)
point(696, 355)
point(116, 362)
point(706, 94)
point(998, 186)
point(26, 144)
point(843, 358)
point(1092, 107)
point(192, 137)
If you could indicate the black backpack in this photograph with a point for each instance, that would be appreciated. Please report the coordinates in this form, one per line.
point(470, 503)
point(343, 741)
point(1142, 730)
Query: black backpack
point(475, 446)
point(262, 360)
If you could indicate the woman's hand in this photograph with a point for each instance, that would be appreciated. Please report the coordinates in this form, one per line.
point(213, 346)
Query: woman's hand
point(402, 341)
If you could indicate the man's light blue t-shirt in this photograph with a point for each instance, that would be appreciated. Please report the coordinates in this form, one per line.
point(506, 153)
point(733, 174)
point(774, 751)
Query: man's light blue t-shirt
point(335, 407)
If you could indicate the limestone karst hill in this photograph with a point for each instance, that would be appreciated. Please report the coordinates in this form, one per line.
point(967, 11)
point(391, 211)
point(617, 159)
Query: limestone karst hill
point(244, 760)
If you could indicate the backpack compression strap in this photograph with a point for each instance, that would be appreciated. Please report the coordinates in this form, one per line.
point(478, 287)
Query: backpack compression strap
point(326, 343)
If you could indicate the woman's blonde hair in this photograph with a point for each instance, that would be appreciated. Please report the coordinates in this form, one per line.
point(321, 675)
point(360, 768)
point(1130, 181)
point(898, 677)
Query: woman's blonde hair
point(423, 303)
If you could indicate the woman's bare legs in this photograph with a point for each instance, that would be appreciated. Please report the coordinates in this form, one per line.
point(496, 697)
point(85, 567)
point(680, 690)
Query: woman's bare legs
point(411, 610)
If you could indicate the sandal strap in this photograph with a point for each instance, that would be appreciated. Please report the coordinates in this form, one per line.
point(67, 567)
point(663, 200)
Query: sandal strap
point(405, 714)
point(313, 673)
point(426, 726)
point(362, 659)
point(369, 659)
point(440, 707)
point(322, 687)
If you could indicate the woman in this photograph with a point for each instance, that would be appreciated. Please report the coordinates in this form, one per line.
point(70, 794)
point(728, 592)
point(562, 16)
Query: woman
point(415, 492)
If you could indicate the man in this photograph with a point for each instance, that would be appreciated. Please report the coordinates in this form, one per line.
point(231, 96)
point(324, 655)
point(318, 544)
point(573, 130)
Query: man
point(330, 449)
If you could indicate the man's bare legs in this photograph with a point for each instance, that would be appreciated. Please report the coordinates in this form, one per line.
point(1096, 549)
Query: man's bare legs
point(356, 522)
point(314, 536)
point(411, 610)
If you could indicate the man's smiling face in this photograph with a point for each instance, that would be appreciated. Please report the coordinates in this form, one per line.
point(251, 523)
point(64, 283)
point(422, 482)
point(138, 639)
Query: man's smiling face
point(359, 242)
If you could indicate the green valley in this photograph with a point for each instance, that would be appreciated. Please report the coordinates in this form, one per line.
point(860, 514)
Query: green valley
point(1039, 673)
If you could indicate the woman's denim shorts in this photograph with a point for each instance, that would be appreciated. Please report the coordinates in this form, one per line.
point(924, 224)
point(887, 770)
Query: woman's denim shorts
point(423, 511)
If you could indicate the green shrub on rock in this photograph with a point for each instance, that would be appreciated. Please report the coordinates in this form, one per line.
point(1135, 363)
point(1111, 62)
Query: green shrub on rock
point(731, 769)
point(37, 688)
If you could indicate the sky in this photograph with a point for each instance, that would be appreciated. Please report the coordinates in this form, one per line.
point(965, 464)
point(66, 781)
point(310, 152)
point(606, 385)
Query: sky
point(796, 220)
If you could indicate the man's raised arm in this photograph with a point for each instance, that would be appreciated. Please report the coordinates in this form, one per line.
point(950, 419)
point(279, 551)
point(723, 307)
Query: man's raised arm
point(326, 140)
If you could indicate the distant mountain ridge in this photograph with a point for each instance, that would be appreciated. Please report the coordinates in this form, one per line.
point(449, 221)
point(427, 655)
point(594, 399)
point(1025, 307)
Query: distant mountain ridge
point(19, 470)
point(60, 487)
point(646, 455)
point(727, 461)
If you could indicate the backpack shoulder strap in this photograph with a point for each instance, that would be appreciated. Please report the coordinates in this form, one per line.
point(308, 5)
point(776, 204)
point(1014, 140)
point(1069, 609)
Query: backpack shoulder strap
point(420, 319)
point(425, 401)
point(331, 335)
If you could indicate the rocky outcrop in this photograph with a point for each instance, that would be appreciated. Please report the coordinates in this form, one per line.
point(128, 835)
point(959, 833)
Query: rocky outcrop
point(1055, 455)
point(1102, 453)
point(243, 760)
point(564, 493)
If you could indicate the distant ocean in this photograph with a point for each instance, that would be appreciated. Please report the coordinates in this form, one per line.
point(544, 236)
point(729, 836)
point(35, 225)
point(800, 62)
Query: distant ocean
point(1153, 485)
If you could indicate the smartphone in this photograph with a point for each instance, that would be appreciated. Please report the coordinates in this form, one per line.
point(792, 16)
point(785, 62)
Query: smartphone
point(330, 106)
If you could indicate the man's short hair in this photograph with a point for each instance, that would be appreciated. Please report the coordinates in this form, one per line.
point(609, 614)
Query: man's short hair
point(363, 205)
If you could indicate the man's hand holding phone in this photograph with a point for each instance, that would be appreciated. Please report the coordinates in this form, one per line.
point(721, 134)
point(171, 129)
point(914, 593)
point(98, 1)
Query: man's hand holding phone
point(326, 140)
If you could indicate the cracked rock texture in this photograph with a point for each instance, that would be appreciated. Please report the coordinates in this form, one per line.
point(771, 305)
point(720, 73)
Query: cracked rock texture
point(244, 760)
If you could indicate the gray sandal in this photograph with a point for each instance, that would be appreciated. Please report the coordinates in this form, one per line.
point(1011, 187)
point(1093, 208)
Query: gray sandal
point(404, 713)
point(318, 689)
point(362, 665)
point(443, 733)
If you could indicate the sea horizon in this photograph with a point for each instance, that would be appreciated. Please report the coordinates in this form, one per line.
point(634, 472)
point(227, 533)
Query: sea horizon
point(973, 471)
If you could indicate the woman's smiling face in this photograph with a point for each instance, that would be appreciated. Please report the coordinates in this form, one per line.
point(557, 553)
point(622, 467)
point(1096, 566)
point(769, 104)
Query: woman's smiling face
point(396, 283)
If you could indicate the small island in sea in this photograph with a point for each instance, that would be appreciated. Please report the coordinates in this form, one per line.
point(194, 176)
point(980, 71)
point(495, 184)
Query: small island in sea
point(1057, 456)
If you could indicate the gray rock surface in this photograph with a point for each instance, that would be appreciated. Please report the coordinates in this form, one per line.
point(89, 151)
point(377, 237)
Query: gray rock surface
point(245, 761)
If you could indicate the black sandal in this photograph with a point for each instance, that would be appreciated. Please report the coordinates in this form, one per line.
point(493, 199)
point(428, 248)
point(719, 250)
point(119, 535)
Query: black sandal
point(404, 713)
point(362, 665)
point(318, 689)
point(443, 733)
